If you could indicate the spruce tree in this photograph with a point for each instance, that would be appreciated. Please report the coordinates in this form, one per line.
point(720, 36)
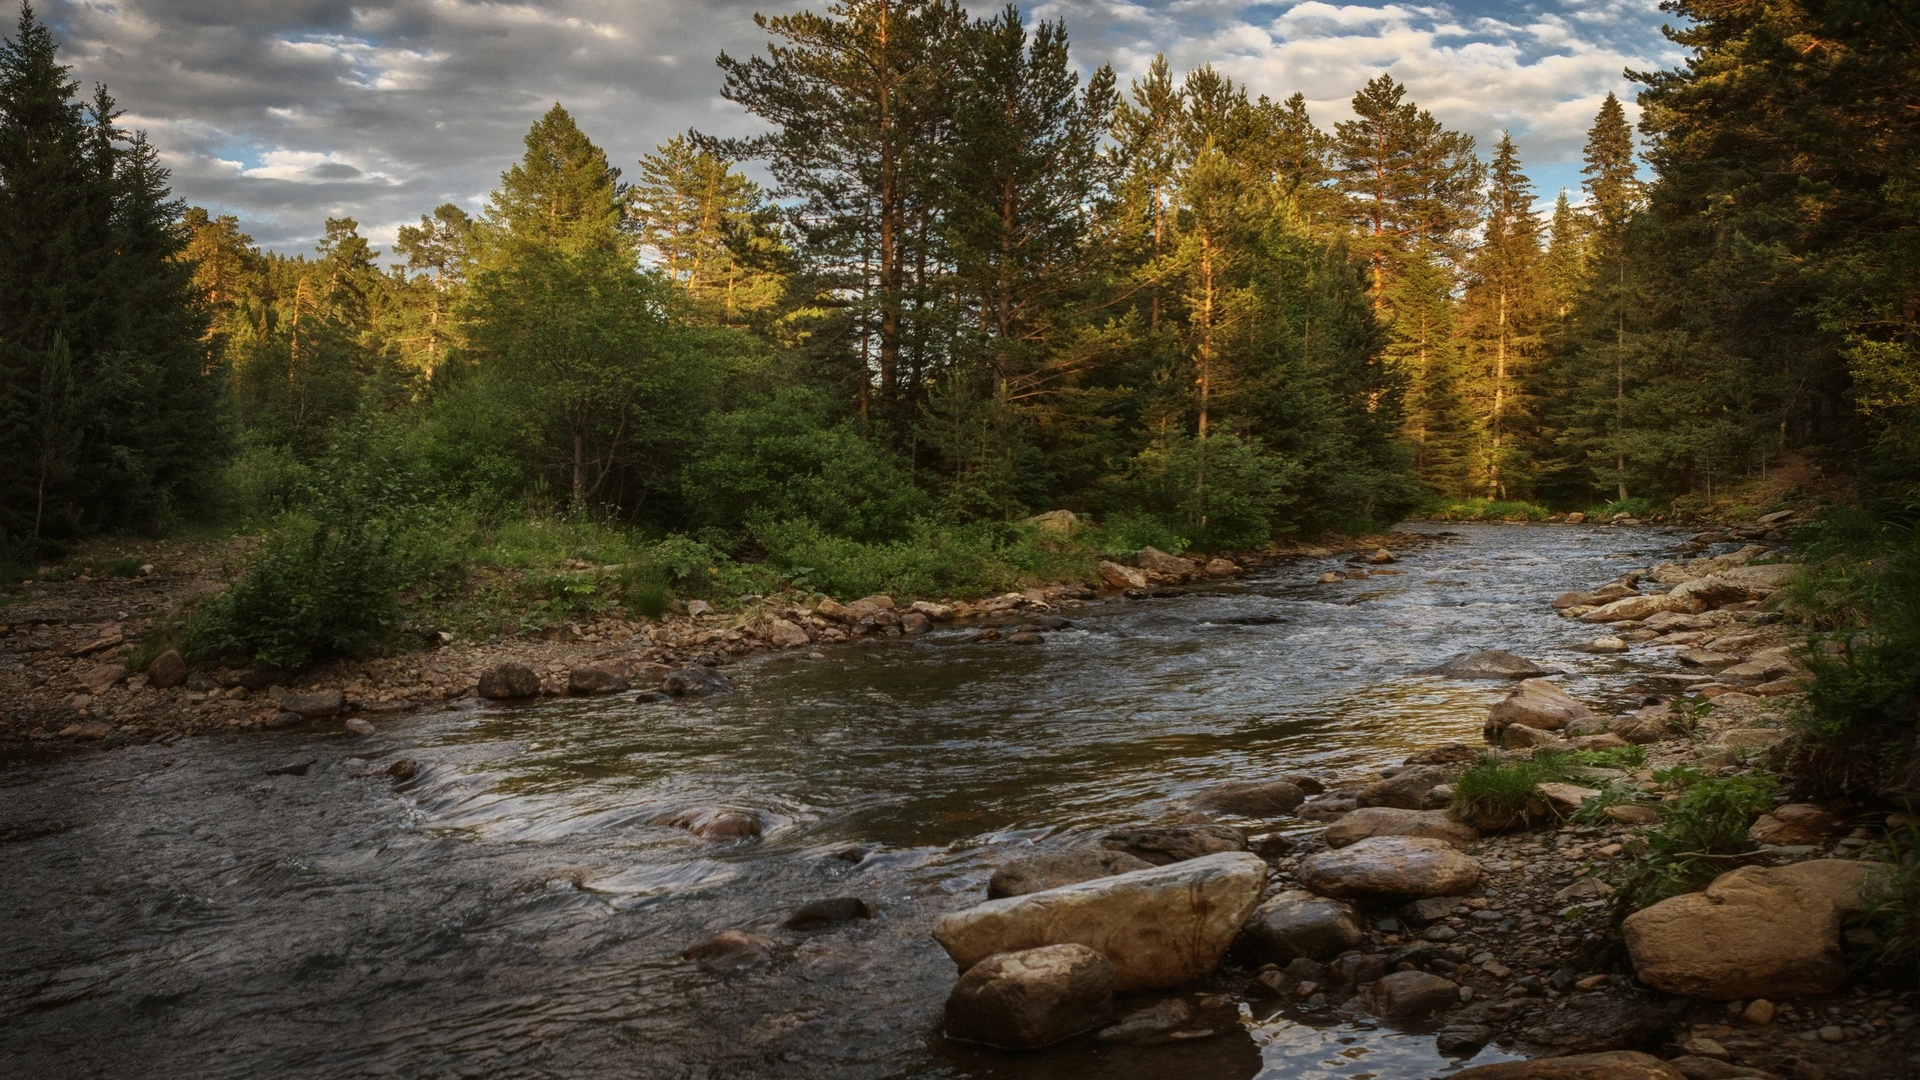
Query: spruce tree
point(708, 228)
point(1502, 308)
point(562, 195)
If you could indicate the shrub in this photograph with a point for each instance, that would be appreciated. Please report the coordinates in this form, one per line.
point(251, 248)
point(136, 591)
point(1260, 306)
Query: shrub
point(1696, 838)
point(934, 560)
point(778, 462)
point(1124, 536)
point(1482, 510)
point(1893, 905)
point(1241, 503)
point(1492, 794)
point(1634, 507)
point(316, 588)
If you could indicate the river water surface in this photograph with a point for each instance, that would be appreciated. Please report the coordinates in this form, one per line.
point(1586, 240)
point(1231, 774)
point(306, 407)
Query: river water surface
point(511, 912)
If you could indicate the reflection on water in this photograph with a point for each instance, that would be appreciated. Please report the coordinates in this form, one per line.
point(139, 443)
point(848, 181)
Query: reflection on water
point(515, 911)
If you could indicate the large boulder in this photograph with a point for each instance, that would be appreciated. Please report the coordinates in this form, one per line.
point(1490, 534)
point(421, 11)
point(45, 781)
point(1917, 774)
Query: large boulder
point(1381, 867)
point(1165, 926)
point(1032, 998)
point(1407, 789)
point(1054, 521)
point(1536, 703)
point(1158, 563)
point(785, 635)
point(1296, 924)
point(509, 682)
point(1412, 995)
point(1256, 798)
point(1489, 664)
point(1740, 938)
point(1844, 882)
point(1636, 608)
point(1050, 869)
point(1393, 821)
point(1115, 576)
point(1175, 843)
point(319, 705)
point(1612, 1065)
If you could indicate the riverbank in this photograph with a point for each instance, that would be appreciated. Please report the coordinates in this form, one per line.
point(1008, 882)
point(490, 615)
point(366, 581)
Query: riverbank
point(78, 646)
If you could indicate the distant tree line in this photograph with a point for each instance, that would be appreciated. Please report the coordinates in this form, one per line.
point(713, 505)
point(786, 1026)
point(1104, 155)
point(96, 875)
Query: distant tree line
point(983, 286)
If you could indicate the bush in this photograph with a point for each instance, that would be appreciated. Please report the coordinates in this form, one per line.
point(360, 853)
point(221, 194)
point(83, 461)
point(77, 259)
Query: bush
point(259, 484)
point(1492, 794)
point(316, 588)
point(1696, 837)
point(1124, 537)
point(1634, 507)
point(1893, 905)
point(1240, 505)
point(778, 462)
point(1482, 510)
point(934, 560)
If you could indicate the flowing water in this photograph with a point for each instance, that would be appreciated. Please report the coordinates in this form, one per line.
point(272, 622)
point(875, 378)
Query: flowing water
point(513, 912)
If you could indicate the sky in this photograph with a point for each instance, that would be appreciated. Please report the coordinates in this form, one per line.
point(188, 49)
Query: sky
point(287, 112)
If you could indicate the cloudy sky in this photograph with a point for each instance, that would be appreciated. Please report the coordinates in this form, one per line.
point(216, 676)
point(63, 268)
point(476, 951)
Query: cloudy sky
point(286, 112)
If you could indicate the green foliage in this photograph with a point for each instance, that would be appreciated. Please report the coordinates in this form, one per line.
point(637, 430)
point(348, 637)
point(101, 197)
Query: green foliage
point(1439, 509)
point(1493, 794)
point(1125, 536)
point(1893, 904)
point(1632, 507)
point(932, 560)
point(1697, 833)
point(1223, 491)
point(778, 461)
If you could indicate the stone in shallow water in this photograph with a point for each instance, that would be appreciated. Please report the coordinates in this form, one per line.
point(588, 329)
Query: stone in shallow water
point(1175, 843)
point(1612, 1065)
point(820, 914)
point(1042, 870)
point(1031, 998)
point(1258, 798)
point(1296, 924)
point(1162, 927)
point(1489, 664)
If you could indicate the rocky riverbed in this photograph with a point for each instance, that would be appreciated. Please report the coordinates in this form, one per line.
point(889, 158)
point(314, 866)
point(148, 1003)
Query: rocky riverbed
point(778, 880)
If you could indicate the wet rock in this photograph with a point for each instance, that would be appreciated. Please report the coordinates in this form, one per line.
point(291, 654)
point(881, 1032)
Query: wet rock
point(1565, 798)
point(283, 720)
point(1795, 823)
point(1258, 799)
point(359, 728)
point(1406, 790)
point(1115, 576)
point(1032, 998)
point(1166, 926)
point(730, 950)
point(1636, 608)
point(1025, 637)
point(820, 914)
point(595, 680)
point(913, 622)
point(1354, 970)
point(1649, 725)
point(1331, 577)
point(509, 682)
point(1392, 821)
point(1612, 1065)
point(1154, 1024)
point(1412, 995)
point(1590, 1023)
point(292, 768)
point(1381, 556)
point(1463, 1041)
point(167, 670)
point(1297, 924)
point(320, 705)
point(1607, 645)
point(1489, 664)
point(1453, 753)
point(1175, 843)
point(715, 823)
point(1217, 567)
point(1390, 866)
point(782, 634)
point(1605, 741)
point(1537, 703)
point(1521, 737)
point(1157, 562)
point(1051, 869)
point(695, 682)
point(1739, 938)
point(403, 770)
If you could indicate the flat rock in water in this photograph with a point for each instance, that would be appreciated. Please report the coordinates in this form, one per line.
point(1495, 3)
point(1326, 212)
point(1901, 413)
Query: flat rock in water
point(715, 823)
point(1391, 821)
point(1612, 1065)
point(1258, 798)
point(1390, 866)
point(820, 914)
point(595, 680)
point(1412, 995)
point(1042, 870)
point(1489, 664)
point(1032, 998)
point(1175, 843)
point(319, 705)
point(695, 682)
point(1167, 926)
point(730, 950)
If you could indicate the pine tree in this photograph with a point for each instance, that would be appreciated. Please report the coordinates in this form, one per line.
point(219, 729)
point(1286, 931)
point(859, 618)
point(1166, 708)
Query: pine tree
point(709, 229)
point(1502, 308)
point(438, 250)
point(562, 195)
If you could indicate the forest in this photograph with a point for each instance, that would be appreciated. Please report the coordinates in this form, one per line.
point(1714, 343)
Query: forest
point(979, 285)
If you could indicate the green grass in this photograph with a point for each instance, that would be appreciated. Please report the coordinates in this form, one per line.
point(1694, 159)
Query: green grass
point(1493, 795)
point(1482, 510)
point(1635, 507)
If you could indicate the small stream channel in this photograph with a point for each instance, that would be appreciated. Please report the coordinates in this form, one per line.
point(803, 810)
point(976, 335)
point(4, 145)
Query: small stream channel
point(510, 912)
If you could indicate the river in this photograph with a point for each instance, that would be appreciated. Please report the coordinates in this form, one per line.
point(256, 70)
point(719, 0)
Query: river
point(511, 912)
